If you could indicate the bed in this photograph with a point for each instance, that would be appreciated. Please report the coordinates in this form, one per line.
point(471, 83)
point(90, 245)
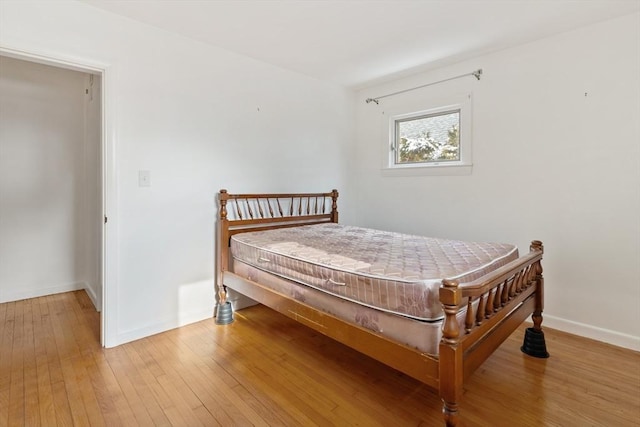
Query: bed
point(434, 309)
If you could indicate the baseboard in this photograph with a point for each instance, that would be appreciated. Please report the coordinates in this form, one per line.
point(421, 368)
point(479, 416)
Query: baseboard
point(167, 325)
point(239, 301)
point(588, 331)
point(95, 299)
point(40, 292)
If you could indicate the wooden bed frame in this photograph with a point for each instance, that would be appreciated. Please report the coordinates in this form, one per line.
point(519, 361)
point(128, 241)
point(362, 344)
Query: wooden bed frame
point(496, 304)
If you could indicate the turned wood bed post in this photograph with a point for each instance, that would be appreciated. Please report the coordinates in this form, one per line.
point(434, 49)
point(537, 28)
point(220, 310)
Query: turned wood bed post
point(334, 206)
point(534, 343)
point(536, 245)
point(223, 239)
point(451, 366)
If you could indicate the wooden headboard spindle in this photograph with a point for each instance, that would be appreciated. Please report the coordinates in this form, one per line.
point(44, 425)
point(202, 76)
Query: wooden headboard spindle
point(238, 209)
point(249, 208)
point(260, 212)
point(269, 205)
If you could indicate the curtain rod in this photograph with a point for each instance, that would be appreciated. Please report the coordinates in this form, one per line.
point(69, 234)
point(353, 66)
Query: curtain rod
point(475, 74)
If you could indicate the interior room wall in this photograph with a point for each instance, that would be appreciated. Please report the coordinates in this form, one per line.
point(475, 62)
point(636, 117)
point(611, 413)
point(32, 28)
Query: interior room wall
point(556, 155)
point(198, 119)
point(44, 193)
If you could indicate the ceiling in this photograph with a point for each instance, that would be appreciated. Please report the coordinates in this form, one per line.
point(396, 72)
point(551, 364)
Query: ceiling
point(356, 43)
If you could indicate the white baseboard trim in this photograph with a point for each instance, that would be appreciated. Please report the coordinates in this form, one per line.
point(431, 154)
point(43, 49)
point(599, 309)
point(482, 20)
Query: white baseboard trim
point(186, 319)
point(95, 299)
point(21, 294)
point(593, 332)
point(239, 301)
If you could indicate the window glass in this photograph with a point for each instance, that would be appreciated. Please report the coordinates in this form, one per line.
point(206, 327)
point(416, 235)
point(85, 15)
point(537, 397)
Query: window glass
point(426, 139)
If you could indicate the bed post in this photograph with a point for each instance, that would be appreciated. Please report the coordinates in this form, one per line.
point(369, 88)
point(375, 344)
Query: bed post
point(451, 362)
point(334, 206)
point(536, 245)
point(534, 342)
point(224, 311)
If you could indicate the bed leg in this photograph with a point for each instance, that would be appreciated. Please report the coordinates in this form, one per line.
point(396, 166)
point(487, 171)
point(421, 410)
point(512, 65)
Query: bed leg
point(534, 342)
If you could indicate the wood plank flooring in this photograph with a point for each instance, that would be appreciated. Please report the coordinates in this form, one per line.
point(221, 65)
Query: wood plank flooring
point(266, 370)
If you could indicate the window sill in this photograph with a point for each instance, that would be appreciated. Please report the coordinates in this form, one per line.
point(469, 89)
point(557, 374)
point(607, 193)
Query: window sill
point(440, 170)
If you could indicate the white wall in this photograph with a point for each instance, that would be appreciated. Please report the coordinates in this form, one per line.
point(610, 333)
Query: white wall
point(556, 153)
point(199, 119)
point(44, 193)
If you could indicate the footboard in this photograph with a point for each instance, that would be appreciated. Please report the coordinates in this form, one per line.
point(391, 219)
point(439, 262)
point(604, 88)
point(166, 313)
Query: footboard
point(496, 305)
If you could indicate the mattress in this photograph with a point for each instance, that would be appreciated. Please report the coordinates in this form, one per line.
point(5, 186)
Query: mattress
point(393, 272)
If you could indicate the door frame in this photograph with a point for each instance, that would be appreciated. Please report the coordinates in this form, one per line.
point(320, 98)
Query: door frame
point(109, 235)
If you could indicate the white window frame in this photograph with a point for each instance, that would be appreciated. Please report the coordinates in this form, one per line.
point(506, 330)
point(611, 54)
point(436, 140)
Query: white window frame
point(463, 166)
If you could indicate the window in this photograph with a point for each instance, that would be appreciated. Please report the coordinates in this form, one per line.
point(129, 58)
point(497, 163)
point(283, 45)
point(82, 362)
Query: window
point(431, 141)
point(428, 139)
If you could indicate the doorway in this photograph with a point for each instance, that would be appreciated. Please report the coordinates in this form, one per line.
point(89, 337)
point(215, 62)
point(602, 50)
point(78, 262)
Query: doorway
point(52, 198)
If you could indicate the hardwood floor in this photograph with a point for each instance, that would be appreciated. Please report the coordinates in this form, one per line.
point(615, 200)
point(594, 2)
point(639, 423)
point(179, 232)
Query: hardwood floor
point(266, 370)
